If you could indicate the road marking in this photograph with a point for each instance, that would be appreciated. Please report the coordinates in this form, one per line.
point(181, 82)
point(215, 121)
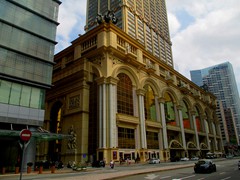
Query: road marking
point(187, 177)
point(165, 177)
point(222, 173)
point(226, 178)
point(151, 176)
point(201, 179)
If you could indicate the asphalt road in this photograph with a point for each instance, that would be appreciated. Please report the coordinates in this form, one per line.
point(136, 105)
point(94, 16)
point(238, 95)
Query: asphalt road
point(226, 170)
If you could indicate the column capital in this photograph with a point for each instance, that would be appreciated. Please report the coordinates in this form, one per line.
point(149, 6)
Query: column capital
point(179, 107)
point(112, 80)
point(101, 80)
point(161, 100)
point(141, 92)
point(193, 112)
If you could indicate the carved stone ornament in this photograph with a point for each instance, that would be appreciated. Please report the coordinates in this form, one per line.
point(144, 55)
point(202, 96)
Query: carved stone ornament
point(72, 140)
point(98, 60)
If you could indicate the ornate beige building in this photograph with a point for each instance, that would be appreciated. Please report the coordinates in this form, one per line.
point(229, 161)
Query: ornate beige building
point(117, 99)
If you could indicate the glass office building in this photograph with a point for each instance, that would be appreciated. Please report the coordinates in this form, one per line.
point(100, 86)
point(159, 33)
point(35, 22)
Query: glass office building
point(144, 20)
point(220, 80)
point(27, 41)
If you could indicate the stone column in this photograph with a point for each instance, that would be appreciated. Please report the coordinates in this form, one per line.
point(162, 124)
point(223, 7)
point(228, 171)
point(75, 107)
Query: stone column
point(179, 108)
point(102, 107)
point(112, 104)
point(157, 108)
point(206, 127)
point(214, 136)
point(195, 129)
point(140, 93)
point(164, 126)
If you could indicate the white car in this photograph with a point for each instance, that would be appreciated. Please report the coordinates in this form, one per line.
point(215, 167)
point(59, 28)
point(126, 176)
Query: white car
point(184, 159)
point(154, 161)
point(195, 158)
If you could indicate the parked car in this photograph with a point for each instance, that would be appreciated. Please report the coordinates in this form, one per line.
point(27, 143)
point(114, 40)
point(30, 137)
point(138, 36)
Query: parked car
point(205, 166)
point(229, 156)
point(195, 158)
point(98, 164)
point(239, 165)
point(184, 159)
point(154, 161)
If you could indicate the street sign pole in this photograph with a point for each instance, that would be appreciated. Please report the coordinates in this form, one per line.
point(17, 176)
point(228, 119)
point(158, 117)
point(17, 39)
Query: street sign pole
point(25, 136)
point(23, 153)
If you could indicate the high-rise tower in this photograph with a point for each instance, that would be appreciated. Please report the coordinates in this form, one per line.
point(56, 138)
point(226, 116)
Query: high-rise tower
point(220, 81)
point(144, 20)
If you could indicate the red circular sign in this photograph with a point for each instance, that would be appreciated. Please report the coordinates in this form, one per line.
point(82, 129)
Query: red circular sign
point(25, 135)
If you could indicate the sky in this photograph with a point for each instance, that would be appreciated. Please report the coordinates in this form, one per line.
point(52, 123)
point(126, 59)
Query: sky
point(203, 32)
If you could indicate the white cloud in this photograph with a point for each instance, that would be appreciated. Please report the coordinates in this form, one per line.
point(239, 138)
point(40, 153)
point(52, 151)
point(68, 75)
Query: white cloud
point(72, 21)
point(211, 39)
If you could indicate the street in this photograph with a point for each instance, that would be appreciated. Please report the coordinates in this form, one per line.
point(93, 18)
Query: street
point(226, 169)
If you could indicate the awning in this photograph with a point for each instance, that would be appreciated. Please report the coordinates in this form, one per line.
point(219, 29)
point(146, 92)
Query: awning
point(38, 135)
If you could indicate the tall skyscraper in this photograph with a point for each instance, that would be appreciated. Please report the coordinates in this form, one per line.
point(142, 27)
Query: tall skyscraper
point(27, 40)
point(144, 20)
point(220, 81)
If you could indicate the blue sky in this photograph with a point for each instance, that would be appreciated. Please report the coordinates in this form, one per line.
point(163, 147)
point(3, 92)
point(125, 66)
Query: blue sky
point(203, 32)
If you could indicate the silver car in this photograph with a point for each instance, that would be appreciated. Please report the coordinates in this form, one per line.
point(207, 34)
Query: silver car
point(154, 161)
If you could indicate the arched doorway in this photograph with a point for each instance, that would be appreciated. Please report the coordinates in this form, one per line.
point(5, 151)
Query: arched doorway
point(54, 149)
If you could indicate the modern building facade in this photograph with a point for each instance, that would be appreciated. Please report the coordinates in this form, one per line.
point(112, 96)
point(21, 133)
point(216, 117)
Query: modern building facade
point(144, 20)
point(118, 100)
point(27, 41)
point(220, 81)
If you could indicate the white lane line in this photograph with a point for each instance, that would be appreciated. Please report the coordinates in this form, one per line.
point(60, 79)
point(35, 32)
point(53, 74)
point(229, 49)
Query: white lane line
point(226, 178)
point(165, 177)
point(187, 177)
point(201, 179)
point(222, 173)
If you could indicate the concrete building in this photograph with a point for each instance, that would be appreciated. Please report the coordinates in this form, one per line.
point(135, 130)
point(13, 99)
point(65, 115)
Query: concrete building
point(119, 100)
point(144, 20)
point(27, 40)
point(220, 81)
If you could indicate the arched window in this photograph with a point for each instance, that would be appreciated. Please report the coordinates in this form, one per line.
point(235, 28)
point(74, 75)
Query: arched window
point(185, 114)
point(124, 95)
point(149, 104)
point(169, 110)
point(198, 120)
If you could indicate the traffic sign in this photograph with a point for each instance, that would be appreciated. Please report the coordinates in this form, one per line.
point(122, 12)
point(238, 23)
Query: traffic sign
point(25, 135)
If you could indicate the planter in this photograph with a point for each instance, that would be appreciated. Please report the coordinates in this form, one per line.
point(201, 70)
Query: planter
point(53, 168)
point(17, 170)
point(40, 169)
point(3, 170)
point(29, 169)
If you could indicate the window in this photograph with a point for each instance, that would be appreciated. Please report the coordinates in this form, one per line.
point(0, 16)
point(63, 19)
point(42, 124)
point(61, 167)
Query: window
point(124, 95)
point(126, 138)
point(169, 110)
point(152, 140)
point(149, 104)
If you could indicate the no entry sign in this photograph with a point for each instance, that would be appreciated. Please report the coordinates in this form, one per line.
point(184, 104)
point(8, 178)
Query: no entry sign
point(25, 135)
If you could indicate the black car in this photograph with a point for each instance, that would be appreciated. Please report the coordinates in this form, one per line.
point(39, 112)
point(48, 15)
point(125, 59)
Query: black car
point(98, 164)
point(205, 166)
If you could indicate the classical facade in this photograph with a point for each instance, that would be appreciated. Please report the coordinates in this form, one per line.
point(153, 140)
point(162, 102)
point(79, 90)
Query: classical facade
point(117, 100)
